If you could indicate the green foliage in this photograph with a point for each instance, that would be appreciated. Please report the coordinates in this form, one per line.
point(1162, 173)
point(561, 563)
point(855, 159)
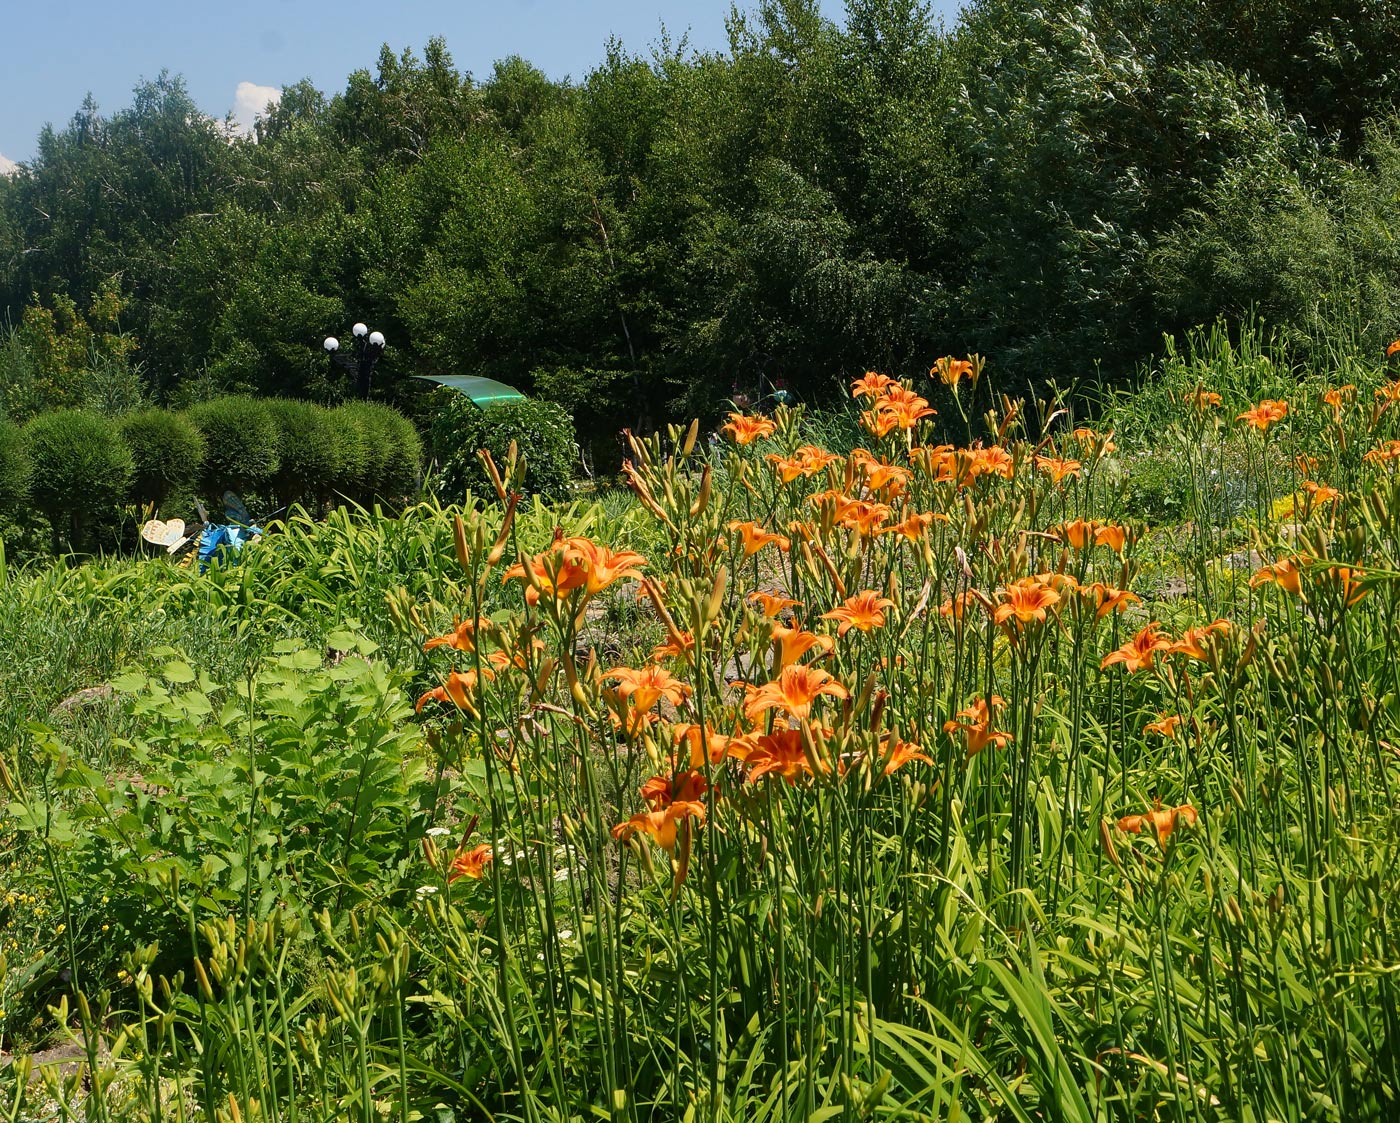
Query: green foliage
point(82, 468)
point(167, 450)
point(15, 467)
point(1057, 188)
point(388, 451)
point(241, 444)
point(543, 433)
point(317, 452)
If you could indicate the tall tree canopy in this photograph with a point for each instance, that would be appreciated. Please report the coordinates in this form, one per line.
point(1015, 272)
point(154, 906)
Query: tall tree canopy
point(1056, 185)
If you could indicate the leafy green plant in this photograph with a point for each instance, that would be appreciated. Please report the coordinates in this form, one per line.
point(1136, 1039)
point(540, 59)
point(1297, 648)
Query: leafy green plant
point(542, 431)
point(167, 450)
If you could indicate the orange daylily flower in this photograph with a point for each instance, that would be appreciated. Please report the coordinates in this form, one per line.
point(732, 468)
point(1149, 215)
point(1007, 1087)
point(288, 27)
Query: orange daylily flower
point(1162, 820)
point(873, 385)
point(638, 691)
point(1320, 493)
point(672, 649)
point(1393, 349)
point(914, 525)
point(793, 691)
point(1265, 414)
point(461, 638)
point(862, 517)
point(896, 754)
point(1164, 726)
point(1027, 601)
point(1110, 599)
point(780, 752)
point(1337, 397)
point(806, 461)
point(575, 563)
point(517, 657)
point(605, 565)
point(662, 824)
point(950, 370)
point(770, 604)
point(956, 606)
point(1191, 643)
point(470, 863)
point(864, 611)
point(1140, 652)
point(790, 644)
point(1390, 450)
point(977, 729)
point(698, 743)
point(1114, 537)
point(889, 478)
point(686, 787)
point(460, 689)
point(1094, 443)
point(1077, 533)
point(992, 461)
point(1057, 469)
point(899, 409)
point(755, 537)
point(1348, 581)
point(1285, 574)
point(746, 429)
point(1202, 399)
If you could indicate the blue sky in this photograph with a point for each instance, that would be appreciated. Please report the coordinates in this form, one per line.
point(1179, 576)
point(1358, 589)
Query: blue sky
point(59, 50)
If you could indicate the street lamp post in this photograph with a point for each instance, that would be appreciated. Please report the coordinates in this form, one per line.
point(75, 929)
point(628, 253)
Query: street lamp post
point(369, 345)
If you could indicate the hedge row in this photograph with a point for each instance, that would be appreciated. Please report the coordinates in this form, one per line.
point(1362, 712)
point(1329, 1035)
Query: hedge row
point(74, 465)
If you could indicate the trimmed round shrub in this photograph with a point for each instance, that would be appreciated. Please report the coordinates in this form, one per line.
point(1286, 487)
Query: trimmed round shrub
point(81, 467)
point(14, 466)
point(543, 432)
point(314, 452)
point(391, 452)
point(167, 451)
point(241, 439)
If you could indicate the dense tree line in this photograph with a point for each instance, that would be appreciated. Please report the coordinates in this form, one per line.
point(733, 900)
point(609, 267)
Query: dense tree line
point(1054, 185)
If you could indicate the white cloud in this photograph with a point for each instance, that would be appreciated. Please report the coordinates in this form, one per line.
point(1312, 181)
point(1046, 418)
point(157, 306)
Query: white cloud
point(250, 100)
point(7, 166)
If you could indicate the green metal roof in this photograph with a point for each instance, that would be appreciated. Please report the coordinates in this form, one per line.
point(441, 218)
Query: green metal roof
point(483, 391)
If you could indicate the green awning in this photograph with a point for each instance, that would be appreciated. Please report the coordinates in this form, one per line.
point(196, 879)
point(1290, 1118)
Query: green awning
point(483, 391)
